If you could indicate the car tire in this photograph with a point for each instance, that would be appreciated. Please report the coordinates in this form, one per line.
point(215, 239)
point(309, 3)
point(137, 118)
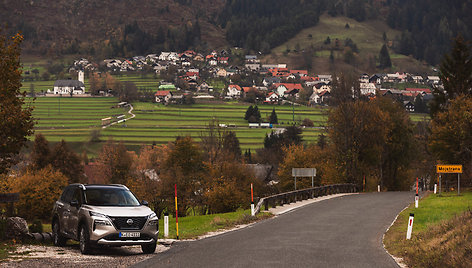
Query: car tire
point(84, 240)
point(149, 248)
point(57, 238)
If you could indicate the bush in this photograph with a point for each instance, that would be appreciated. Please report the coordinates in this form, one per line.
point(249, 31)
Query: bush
point(36, 226)
point(3, 226)
point(38, 191)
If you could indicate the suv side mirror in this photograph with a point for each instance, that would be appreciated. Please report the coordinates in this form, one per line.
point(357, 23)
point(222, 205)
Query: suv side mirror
point(144, 203)
point(74, 203)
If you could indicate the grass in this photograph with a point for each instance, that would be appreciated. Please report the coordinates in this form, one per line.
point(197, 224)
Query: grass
point(73, 119)
point(191, 227)
point(438, 232)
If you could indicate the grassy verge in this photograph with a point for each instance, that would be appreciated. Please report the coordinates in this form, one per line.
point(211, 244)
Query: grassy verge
point(195, 226)
point(442, 232)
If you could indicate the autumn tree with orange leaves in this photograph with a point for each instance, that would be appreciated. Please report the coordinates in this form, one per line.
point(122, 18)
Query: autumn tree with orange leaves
point(16, 121)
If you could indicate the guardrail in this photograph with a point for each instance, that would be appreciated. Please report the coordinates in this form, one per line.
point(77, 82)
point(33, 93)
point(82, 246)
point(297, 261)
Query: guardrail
point(298, 195)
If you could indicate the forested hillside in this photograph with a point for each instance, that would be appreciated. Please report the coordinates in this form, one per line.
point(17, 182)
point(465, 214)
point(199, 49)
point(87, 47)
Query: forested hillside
point(429, 26)
point(108, 28)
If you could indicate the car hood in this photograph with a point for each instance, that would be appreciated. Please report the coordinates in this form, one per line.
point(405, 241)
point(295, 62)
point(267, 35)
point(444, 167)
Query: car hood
point(139, 211)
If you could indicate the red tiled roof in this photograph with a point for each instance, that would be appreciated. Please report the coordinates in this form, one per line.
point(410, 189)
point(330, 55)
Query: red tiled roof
point(289, 86)
point(305, 72)
point(162, 93)
point(235, 86)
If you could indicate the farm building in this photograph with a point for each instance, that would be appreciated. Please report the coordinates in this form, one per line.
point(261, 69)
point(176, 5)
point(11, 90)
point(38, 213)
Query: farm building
point(69, 87)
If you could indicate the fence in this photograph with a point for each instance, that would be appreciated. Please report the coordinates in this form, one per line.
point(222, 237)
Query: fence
point(298, 195)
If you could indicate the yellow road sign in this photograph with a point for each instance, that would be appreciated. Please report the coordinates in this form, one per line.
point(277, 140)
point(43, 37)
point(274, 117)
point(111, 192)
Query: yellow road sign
point(449, 168)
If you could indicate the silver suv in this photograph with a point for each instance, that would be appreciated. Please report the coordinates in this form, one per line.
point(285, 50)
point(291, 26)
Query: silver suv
point(103, 215)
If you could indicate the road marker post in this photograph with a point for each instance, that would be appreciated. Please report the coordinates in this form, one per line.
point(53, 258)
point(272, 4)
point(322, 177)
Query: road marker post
point(176, 214)
point(410, 226)
point(435, 188)
point(166, 224)
point(253, 212)
point(416, 200)
point(378, 188)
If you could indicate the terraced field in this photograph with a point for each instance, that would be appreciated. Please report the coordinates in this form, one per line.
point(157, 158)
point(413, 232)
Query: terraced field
point(73, 119)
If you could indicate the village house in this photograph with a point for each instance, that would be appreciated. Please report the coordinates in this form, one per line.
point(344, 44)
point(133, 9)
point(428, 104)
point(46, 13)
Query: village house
point(321, 86)
point(234, 91)
point(283, 88)
point(434, 80)
point(320, 97)
point(272, 98)
point(368, 88)
point(73, 87)
point(222, 73)
point(325, 77)
point(268, 81)
point(163, 96)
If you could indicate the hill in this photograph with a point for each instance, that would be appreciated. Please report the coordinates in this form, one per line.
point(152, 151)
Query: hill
point(367, 37)
point(107, 27)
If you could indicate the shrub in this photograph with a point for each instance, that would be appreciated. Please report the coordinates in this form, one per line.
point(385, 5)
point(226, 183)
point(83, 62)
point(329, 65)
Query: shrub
point(36, 226)
point(38, 191)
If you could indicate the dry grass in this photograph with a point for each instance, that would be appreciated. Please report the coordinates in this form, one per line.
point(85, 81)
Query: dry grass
point(448, 244)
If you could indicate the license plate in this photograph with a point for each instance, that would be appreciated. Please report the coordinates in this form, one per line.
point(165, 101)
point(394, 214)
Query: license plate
point(133, 234)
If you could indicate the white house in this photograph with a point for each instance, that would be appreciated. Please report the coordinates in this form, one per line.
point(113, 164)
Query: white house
point(69, 87)
point(367, 88)
point(234, 91)
point(272, 97)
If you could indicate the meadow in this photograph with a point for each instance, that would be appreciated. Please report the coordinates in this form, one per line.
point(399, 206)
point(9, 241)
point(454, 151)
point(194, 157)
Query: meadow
point(74, 119)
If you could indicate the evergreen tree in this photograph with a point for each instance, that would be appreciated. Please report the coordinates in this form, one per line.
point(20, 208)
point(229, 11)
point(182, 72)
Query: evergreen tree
point(40, 155)
point(273, 117)
point(384, 58)
point(249, 112)
point(455, 72)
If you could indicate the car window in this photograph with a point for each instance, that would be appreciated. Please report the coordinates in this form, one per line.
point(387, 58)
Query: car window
point(67, 194)
point(110, 197)
point(76, 195)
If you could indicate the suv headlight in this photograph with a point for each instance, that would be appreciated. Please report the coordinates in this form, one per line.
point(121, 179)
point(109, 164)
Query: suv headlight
point(153, 220)
point(96, 214)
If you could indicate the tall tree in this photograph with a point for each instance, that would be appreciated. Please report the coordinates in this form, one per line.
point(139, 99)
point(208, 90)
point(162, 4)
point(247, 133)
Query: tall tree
point(455, 72)
point(41, 153)
point(68, 162)
point(384, 58)
point(16, 121)
point(273, 117)
point(398, 148)
point(116, 162)
point(357, 131)
point(451, 134)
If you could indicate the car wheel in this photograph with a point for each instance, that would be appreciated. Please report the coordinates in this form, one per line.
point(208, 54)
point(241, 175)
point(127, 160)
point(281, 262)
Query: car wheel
point(57, 238)
point(84, 240)
point(149, 248)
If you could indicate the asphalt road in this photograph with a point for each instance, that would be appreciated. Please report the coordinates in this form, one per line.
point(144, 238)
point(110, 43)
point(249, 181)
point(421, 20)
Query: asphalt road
point(341, 232)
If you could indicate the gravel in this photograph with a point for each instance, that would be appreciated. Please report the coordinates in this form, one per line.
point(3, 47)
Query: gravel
point(70, 256)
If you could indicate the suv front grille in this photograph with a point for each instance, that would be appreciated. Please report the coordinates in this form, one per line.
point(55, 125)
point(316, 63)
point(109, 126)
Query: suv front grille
point(121, 223)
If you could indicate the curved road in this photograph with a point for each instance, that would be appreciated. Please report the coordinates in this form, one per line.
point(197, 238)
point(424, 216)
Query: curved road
point(341, 232)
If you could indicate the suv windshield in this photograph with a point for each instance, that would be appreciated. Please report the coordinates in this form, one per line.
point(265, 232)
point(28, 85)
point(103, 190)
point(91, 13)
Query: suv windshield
point(110, 197)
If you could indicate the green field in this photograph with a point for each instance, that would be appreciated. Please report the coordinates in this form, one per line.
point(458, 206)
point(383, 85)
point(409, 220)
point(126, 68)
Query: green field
point(73, 119)
point(141, 81)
